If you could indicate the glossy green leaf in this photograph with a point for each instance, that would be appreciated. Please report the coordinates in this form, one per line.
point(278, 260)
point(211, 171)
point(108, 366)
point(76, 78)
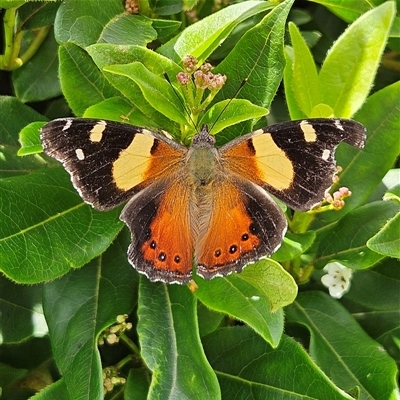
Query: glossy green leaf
point(117, 109)
point(202, 38)
point(165, 27)
point(38, 79)
point(393, 193)
point(49, 229)
point(377, 311)
point(291, 102)
point(262, 66)
point(238, 110)
point(29, 139)
point(348, 10)
point(21, 314)
point(11, 3)
point(305, 76)
point(342, 349)
point(248, 368)
point(208, 319)
point(170, 343)
point(83, 22)
point(81, 304)
point(348, 70)
point(119, 30)
point(387, 241)
point(255, 296)
point(137, 384)
point(156, 90)
point(167, 7)
point(38, 14)
point(105, 54)
point(294, 245)
point(346, 242)
point(82, 83)
point(10, 126)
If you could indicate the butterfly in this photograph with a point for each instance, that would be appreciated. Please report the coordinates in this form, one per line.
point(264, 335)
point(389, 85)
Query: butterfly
point(201, 205)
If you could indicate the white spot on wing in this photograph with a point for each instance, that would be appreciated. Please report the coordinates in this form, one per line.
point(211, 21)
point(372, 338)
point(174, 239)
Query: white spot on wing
point(325, 154)
point(67, 125)
point(338, 125)
point(80, 154)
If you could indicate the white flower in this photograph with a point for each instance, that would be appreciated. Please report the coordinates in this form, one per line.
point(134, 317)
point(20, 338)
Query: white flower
point(337, 279)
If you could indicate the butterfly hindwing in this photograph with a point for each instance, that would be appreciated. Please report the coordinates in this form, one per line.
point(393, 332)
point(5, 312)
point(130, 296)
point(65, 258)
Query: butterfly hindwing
point(162, 243)
point(108, 161)
point(245, 225)
point(294, 160)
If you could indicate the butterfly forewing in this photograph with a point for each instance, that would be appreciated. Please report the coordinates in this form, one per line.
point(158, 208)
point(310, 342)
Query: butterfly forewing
point(108, 161)
point(294, 160)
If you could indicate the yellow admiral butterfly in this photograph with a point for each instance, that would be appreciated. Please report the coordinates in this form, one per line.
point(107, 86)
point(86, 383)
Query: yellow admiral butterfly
point(201, 204)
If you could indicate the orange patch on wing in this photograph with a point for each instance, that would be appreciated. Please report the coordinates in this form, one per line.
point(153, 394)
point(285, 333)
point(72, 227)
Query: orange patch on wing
point(170, 246)
point(145, 159)
point(261, 161)
point(230, 234)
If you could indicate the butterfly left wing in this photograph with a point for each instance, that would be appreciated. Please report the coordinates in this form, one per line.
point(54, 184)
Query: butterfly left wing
point(109, 161)
point(162, 243)
point(294, 160)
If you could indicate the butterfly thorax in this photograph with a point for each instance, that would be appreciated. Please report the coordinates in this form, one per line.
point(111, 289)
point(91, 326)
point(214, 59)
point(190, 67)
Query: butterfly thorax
point(202, 159)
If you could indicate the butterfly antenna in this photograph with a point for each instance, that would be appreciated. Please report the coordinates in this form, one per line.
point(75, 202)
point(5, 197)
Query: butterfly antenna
point(244, 81)
point(180, 100)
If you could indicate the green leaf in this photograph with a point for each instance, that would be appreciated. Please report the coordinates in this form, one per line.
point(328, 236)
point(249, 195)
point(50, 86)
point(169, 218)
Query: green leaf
point(83, 22)
point(21, 314)
point(203, 37)
point(38, 79)
point(117, 109)
point(393, 193)
point(346, 241)
point(10, 125)
point(137, 384)
point(377, 311)
point(342, 349)
point(294, 245)
point(38, 14)
point(168, 7)
point(119, 30)
point(105, 54)
point(208, 319)
point(238, 110)
point(305, 76)
point(49, 229)
point(254, 296)
point(348, 10)
point(291, 102)
point(248, 368)
point(82, 83)
point(79, 306)
point(156, 90)
point(170, 343)
point(262, 65)
point(29, 139)
point(349, 70)
point(165, 27)
point(387, 241)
